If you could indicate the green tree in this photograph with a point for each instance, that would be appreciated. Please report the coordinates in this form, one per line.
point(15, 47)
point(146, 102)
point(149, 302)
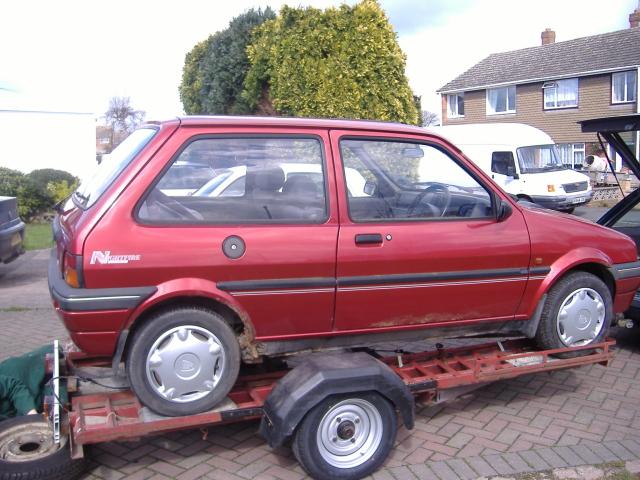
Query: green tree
point(340, 62)
point(214, 70)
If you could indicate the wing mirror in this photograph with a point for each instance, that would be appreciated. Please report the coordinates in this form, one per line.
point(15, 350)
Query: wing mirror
point(503, 210)
point(511, 172)
point(370, 188)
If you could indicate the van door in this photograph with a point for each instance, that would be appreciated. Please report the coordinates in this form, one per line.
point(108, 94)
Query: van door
point(420, 245)
point(504, 172)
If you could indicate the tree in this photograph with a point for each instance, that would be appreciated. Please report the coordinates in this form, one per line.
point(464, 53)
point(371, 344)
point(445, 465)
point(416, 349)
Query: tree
point(122, 118)
point(340, 62)
point(429, 118)
point(214, 70)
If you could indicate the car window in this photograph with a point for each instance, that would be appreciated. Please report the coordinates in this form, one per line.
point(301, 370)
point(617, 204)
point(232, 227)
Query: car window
point(241, 180)
point(404, 180)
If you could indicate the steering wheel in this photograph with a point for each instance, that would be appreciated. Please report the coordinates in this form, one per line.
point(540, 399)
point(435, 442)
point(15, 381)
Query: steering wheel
point(172, 206)
point(438, 198)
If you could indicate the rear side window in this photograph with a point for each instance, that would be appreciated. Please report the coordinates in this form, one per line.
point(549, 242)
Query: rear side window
point(111, 167)
point(241, 180)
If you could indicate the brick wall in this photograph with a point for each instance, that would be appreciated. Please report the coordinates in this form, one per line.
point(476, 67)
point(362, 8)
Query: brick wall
point(594, 101)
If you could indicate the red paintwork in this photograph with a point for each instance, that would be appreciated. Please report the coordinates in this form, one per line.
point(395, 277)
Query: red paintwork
point(186, 261)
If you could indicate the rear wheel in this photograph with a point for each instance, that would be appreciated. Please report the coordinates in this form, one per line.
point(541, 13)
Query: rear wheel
point(27, 451)
point(183, 361)
point(346, 436)
point(578, 312)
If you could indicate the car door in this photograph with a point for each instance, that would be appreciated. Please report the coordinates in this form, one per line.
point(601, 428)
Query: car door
point(272, 248)
point(422, 246)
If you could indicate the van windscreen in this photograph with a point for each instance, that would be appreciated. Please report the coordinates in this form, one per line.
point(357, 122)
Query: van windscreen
point(539, 158)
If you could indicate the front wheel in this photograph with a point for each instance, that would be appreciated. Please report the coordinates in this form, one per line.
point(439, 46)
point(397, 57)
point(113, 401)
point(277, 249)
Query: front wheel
point(183, 361)
point(578, 312)
point(346, 437)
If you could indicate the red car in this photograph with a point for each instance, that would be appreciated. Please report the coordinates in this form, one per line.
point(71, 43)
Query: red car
point(414, 241)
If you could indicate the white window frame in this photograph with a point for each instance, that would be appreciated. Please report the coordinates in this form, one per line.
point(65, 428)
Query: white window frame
point(549, 86)
point(451, 103)
point(510, 108)
point(629, 93)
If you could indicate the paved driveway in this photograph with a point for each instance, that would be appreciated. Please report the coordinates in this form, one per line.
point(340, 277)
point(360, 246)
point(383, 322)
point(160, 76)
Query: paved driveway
point(588, 415)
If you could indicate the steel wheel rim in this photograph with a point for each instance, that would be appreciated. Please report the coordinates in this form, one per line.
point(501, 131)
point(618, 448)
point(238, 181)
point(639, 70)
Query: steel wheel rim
point(28, 442)
point(581, 317)
point(185, 364)
point(350, 433)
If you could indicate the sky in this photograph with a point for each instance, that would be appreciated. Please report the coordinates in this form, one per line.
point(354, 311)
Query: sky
point(70, 55)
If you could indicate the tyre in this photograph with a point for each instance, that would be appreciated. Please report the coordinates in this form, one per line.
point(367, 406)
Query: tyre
point(27, 451)
point(183, 361)
point(346, 436)
point(578, 312)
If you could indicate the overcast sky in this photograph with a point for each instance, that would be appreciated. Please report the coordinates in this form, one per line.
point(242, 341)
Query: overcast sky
point(75, 55)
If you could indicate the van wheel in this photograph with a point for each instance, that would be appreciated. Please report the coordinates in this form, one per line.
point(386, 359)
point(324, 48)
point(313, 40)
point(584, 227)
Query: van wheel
point(183, 361)
point(346, 437)
point(578, 312)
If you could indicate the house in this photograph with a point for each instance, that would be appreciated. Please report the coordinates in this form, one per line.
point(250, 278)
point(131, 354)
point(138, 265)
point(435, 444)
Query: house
point(552, 86)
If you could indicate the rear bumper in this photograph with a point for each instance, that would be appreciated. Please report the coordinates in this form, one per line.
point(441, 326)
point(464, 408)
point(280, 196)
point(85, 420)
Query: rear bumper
point(564, 202)
point(11, 240)
point(93, 316)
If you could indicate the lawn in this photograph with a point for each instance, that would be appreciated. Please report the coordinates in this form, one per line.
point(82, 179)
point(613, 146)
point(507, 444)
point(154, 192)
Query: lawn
point(37, 236)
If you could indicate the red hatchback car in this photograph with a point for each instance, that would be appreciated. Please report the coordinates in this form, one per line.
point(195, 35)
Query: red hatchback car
point(308, 234)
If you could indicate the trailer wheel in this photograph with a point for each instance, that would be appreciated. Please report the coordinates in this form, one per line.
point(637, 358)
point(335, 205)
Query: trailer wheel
point(27, 451)
point(183, 361)
point(578, 312)
point(346, 437)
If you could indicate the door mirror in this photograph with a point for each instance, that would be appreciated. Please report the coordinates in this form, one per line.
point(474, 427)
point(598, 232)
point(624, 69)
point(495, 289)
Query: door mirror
point(511, 172)
point(370, 188)
point(503, 210)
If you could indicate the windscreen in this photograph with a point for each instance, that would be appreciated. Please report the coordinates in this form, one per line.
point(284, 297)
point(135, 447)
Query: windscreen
point(111, 167)
point(539, 158)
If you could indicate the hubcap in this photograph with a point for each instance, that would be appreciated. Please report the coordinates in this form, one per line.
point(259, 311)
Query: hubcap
point(28, 442)
point(185, 363)
point(350, 433)
point(581, 317)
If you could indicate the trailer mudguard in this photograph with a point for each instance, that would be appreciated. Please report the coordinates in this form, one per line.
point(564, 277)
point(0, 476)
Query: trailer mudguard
point(329, 374)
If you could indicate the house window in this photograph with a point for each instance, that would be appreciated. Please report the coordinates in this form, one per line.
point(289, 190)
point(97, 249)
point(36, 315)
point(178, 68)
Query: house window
point(455, 105)
point(571, 154)
point(561, 93)
point(501, 100)
point(624, 86)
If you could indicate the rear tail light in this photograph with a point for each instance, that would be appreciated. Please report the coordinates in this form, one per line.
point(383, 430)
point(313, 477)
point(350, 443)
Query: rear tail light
point(72, 270)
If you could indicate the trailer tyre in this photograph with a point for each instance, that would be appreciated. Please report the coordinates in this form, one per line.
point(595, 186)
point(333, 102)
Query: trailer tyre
point(578, 312)
point(27, 451)
point(346, 437)
point(183, 361)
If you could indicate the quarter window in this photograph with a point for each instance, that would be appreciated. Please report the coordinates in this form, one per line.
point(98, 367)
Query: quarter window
point(561, 93)
point(455, 104)
point(249, 180)
point(402, 180)
point(624, 86)
point(501, 100)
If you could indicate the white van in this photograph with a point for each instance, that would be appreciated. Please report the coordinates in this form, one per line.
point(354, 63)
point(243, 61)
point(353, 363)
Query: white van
point(523, 160)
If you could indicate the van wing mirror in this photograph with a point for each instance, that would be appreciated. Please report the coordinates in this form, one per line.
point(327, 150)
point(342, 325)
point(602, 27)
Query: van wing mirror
point(511, 172)
point(503, 210)
point(370, 188)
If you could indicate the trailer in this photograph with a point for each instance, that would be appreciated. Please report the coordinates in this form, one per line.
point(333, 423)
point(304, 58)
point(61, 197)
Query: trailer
point(339, 411)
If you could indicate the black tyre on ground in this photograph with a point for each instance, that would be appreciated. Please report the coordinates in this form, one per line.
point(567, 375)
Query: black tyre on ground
point(346, 437)
point(183, 361)
point(578, 311)
point(27, 452)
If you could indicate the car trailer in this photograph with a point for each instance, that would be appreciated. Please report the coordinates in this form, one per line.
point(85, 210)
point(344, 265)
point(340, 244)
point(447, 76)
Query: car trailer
point(339, 411)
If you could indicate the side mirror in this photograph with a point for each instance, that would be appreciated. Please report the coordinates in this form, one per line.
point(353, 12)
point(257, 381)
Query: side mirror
point(503, 211)
point(370, 188)
point(511, 172)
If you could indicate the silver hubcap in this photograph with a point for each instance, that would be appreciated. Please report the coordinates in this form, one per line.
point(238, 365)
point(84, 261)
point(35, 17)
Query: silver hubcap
point(350, 433)
point(185, 363)
point(25, 443)
point(581, 317)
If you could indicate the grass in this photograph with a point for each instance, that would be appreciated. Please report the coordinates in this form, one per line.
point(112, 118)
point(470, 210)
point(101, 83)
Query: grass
point(38, 236)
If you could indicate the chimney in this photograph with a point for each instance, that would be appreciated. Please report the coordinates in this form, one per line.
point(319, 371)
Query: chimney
point(549, 36)
point(634, 18)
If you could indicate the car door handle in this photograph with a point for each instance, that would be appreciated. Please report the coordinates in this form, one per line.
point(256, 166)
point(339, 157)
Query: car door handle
point(368, 238)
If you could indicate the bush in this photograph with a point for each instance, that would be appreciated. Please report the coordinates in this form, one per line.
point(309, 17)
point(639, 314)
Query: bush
point(38, 191)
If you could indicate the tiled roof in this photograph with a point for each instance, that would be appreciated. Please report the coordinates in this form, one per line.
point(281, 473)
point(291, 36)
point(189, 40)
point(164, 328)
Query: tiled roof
point(607, 51)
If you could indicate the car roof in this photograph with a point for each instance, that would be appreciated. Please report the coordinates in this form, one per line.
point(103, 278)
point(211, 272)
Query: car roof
point(255, 121)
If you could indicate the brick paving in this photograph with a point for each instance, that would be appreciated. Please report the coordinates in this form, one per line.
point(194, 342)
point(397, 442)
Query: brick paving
point(538, 422)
